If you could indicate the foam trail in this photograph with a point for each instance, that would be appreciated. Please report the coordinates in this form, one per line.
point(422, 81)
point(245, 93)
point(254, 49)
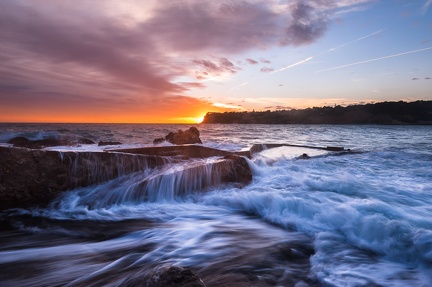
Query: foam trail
point(375, 59)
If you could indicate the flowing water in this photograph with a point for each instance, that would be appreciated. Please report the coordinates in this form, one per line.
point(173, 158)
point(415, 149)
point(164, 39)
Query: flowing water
point(360, 219)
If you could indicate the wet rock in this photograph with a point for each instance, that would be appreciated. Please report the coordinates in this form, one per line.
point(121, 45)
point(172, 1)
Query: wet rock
point(193, 176)
point(85, 141)
point(104, 143)
point(49, 142)
point(186, 151)
point(236, 170)
point(37, 144)
point(189, 136)
point(35, 177)
point(158, 140)
point(304, 156)
point(176, 277)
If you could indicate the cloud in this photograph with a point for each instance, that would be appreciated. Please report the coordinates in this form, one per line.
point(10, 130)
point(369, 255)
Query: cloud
point(126, 53)
point(211, 69)
point(267, 70)
point(252, 61)
point(307, 23)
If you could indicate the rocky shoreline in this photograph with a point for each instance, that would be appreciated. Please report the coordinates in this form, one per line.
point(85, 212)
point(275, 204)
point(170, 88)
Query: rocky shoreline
point(30, 177)
point(33, 176)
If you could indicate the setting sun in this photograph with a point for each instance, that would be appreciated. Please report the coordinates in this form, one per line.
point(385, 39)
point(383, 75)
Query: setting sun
point(199, 120)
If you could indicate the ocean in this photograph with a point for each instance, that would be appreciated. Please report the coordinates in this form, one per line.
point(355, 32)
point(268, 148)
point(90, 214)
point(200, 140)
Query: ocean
point(360, 219)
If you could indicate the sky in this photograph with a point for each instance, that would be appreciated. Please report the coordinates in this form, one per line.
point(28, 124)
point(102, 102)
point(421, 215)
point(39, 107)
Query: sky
point(156, 61)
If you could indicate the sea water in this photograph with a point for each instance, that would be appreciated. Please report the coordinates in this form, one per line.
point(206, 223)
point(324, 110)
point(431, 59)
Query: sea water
point(358, 219)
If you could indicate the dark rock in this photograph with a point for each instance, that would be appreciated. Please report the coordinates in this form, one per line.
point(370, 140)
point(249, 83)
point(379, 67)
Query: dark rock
point(31, 177)
point(186, 151)
point(19, 141)
point(176, 277)
point(196, 176)
point(304, 156)
point(85, 141)
point(49, 142)
point(35, 177)
point(158, 140)
point(103, 143)
point(37, 144)
point(189, 136)
point(236, 170)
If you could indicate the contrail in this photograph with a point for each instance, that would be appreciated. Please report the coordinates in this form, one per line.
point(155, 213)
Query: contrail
point(353, 41)
point(376, 59)
point(332, 49)
point(241, 85)
point(426, 6)
point(293, 65)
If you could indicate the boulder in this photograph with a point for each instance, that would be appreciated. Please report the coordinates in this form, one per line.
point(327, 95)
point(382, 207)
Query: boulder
point(176, 277)
point(189, 136)
point(236, 170)
point(158, 140)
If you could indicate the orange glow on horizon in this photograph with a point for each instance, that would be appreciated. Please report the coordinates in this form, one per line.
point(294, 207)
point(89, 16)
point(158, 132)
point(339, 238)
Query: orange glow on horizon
point(179, 110)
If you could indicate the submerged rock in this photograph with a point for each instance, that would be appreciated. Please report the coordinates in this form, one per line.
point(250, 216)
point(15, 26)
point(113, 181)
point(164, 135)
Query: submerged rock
point(176, 277)
point(49, 142)
point(37, 144)
point(189, 136)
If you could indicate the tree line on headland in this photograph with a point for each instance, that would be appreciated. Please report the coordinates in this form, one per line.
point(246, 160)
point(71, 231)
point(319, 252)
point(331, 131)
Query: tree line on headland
point(388, 113)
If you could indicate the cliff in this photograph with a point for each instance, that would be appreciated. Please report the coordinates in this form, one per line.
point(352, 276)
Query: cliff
point(419, 112)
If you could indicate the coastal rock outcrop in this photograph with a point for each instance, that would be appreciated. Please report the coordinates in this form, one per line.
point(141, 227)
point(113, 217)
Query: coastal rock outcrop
point(189, 136)
point(31, 176)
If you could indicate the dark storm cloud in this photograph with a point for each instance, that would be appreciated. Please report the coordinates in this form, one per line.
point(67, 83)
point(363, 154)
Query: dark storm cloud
point(226, 28)
point(308, 21)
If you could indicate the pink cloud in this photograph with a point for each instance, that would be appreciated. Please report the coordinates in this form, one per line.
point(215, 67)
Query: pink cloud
point(252, 61)
point(267, 70)
point(51, 52)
